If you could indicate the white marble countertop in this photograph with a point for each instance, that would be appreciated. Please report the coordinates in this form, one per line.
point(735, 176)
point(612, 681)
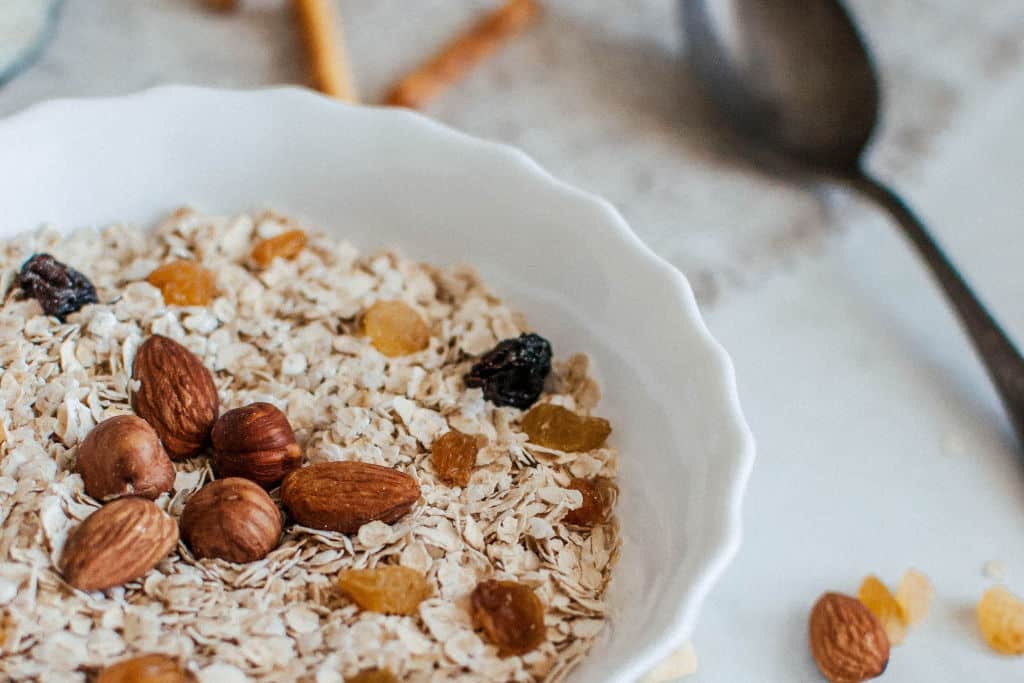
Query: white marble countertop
point(881, 444)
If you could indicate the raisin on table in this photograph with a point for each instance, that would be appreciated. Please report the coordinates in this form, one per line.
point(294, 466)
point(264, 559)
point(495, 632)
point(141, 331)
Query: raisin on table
point(60, 289)
point(914, 595)
point(513, 372)
point(1001, 620)
point(876, 596)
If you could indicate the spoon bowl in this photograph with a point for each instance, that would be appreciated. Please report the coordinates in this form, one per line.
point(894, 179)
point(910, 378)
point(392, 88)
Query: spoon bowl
point(793, 76)
point(796, 80)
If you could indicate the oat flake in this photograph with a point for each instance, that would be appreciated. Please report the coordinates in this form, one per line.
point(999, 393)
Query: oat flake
point(289, 335)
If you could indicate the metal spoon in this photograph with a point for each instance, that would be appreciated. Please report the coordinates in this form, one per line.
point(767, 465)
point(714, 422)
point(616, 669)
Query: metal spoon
point(795, 78)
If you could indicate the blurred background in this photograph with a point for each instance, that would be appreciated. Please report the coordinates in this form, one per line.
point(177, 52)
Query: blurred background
point(594, 91)
point(881, 443)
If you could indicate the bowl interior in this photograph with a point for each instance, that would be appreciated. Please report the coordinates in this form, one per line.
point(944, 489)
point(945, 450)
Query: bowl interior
point(390, 178)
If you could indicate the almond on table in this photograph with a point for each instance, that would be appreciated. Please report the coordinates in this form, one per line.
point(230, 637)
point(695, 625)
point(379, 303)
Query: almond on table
point(848, 643)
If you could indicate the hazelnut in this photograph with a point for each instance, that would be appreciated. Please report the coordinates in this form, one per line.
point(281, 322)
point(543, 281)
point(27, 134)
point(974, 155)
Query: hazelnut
point(123, 456)
point(232, 519)
point(255, 442)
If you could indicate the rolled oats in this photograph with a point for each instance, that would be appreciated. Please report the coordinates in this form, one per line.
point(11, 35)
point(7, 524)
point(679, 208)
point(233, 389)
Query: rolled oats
point(288, 334)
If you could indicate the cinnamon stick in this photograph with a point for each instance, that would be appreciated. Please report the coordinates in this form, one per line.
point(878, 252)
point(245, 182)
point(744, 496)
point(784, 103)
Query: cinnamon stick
point(460, 55)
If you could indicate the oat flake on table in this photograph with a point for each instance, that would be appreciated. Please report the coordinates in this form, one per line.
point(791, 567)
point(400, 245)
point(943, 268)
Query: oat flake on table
point(286, 335)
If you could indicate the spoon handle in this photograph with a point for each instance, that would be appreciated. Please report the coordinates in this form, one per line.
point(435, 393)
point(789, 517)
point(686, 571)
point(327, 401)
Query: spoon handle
point(1001, 358)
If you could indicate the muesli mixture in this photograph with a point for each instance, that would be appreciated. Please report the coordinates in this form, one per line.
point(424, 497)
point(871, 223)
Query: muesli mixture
point(429, 517)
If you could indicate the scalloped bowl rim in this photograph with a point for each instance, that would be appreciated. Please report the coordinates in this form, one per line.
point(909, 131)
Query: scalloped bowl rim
point(729, 488)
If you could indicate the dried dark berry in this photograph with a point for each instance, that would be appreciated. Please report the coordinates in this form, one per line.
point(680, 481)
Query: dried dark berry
point(60, 289)
point(513, 372)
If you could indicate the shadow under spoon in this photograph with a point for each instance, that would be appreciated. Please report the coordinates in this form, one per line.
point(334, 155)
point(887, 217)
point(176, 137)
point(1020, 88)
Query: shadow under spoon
point(795, 79)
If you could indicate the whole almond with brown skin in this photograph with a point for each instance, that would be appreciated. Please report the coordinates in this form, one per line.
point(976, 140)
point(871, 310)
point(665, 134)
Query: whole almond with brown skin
point(255, 442)
point(123, 456)
point(343, 496)
point(154, 668)
point(233, 519)
point(176, 395)
point(847, 641)
point(121, 541)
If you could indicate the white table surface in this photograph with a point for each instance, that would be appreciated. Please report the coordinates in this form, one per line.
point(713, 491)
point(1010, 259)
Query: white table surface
point(881, 444)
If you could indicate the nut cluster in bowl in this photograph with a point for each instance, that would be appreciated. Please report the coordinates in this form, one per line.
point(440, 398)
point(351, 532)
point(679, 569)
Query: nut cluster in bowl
point(373, 468)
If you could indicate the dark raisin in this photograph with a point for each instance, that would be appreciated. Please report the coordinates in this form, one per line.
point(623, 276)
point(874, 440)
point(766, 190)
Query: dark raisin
point(60, 290)
point(513, 372)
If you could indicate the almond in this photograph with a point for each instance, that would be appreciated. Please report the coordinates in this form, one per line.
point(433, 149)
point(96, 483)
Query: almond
point(233, 519)
point(176, 395)
point(343, 496)
point(847, 641)
point(119, 542)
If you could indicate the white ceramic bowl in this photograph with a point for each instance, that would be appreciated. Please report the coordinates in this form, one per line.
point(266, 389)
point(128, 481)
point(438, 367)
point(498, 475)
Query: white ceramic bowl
point(392, 178)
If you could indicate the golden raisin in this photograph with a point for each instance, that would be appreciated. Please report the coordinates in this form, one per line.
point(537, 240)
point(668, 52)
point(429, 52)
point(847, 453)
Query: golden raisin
point(555, 427)
point(599, 496)
point(373, 676)
point(146, 669)
point(454, 457)
point(287, 245)
point(914, 594)
point(876, 597)
point(184, 283)
point(510, 615)
point(1001, 620)
point(395, 329)
point(388, 589)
